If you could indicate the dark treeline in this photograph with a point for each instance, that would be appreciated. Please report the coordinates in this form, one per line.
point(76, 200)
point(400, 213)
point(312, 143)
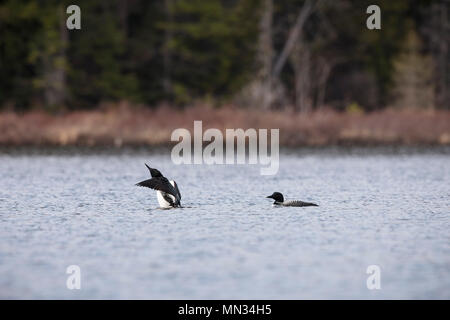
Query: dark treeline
point(253, 53)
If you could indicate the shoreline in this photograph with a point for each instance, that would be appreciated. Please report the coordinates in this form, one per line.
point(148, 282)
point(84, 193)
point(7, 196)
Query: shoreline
point(353, 150)
point(138, 127)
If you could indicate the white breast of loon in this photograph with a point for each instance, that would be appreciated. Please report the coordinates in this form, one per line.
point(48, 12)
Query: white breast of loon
point(162, 202)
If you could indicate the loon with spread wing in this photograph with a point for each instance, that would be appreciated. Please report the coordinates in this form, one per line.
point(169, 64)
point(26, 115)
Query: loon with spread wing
point(167, 191)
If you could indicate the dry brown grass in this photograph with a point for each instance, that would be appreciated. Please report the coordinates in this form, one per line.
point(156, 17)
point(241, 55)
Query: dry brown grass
point(127, 125)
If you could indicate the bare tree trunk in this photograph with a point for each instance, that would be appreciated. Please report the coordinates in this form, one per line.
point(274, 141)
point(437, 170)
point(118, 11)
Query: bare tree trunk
point(301, 62)
point(123, 16)
point(167, 59)
point(267, 88)
point(443, 98)
point(438, 30)
point(54, 68)
point(324, 70)
point(265, 54)
point(311, 75)
point(294, 33)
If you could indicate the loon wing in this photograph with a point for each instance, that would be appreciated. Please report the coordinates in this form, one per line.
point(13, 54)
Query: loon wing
point(161, 184)
point(298, 203)
point(177, 191)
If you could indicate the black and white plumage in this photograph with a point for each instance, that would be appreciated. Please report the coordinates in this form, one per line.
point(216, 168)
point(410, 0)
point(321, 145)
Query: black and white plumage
point(279, 200)
point(167, 192)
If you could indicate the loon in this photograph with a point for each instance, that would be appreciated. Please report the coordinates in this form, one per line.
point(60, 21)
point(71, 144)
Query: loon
point(279, 200)
point(167, 191)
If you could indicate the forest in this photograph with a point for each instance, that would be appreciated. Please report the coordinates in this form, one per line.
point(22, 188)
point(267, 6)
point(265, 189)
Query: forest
point(292, 57)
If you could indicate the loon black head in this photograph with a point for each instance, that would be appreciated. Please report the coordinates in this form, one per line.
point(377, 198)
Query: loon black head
point(154, 172)
point(277, 196)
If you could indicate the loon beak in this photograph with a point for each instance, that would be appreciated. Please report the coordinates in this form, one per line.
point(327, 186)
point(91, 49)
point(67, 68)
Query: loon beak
point(269, 197)
point(147, 166)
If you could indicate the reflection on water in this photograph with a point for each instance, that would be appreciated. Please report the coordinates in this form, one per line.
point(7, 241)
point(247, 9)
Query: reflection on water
point(389, 209)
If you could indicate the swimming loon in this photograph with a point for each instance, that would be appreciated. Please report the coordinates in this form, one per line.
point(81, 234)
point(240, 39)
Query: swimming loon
point(279, 200)
point(167, 191)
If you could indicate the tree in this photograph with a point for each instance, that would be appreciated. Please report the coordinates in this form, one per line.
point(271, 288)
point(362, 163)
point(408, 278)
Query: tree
point(97, 53)
point(19, 27)
point(211, 47)
point(48, 52)
point(413, 75)
point(437, 30)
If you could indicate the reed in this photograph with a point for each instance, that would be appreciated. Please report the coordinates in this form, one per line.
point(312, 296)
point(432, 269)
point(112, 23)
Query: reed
point(124, 124)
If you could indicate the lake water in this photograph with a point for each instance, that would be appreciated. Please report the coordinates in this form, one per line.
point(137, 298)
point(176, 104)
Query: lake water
point(384, 208)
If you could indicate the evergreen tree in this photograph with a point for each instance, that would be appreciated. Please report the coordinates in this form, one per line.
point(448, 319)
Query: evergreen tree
point(19, 27)
point(97, 57)
point(178, 51)
point(413, 74)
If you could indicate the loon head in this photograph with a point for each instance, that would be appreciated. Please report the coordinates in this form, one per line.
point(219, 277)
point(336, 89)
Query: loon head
point(154, 172)
point(277, 196)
